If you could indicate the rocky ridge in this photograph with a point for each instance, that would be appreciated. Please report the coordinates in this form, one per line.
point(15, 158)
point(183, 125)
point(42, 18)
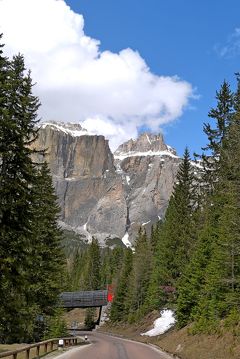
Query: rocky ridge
point(103, 194)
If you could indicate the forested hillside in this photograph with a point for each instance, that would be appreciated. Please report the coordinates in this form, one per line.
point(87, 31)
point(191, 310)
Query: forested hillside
point(191, 262)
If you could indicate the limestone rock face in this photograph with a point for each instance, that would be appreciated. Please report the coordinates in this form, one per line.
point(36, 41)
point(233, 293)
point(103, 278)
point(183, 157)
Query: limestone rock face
point(144, 143)
point(106, 195)
point(148, 168)
point(73, 153)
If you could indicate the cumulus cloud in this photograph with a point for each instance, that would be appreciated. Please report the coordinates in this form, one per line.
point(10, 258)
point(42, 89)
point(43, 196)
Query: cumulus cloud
point(231, 48)
point(110, 93)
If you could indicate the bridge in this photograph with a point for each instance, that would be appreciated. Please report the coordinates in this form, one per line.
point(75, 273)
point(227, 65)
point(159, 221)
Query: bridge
point(84, 299)
point(87, 299)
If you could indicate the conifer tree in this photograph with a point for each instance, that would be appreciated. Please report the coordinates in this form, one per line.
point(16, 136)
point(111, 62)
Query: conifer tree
point(216, 134)
point(30, 259)
point(46, 277)
point(93, 278)
point(209, 289)
point(220, 293)
point(191, 282)
point(118, 312)
point(77, 270)
point(106, 270)
point(140, 275)
point(176, 236)
point(17, 180)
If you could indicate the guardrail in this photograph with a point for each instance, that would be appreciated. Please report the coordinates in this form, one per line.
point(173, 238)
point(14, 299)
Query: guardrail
point(47, 345)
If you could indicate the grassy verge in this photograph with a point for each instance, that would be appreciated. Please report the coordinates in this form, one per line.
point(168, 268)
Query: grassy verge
point(180, 343)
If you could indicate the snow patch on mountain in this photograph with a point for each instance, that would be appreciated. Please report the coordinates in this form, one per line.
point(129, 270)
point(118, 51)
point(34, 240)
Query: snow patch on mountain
point(123, 155)
point(126, 241)
point(73, 129)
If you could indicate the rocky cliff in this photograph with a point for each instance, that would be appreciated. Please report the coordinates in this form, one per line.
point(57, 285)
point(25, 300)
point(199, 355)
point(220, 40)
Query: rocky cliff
point(148, 168)
point(106, 195)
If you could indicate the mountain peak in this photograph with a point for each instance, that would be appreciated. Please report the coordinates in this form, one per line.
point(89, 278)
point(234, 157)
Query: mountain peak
point(145, 144)
point(73, 129)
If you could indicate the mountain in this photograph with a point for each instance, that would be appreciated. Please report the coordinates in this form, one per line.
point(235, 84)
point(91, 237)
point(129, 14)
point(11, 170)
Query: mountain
point(103, 194)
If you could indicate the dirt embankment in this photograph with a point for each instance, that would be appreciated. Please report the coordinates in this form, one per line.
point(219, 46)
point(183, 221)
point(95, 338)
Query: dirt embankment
point(180, 343)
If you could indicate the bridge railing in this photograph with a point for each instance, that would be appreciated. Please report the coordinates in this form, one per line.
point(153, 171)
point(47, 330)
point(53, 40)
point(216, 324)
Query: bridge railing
point(41, 348)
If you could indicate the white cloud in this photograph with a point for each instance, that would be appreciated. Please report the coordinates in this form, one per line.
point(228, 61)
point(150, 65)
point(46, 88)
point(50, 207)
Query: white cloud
point(231, 48)
point(111, 93)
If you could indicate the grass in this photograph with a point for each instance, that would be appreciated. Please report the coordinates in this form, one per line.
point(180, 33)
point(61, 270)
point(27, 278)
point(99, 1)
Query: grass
point(180, 342)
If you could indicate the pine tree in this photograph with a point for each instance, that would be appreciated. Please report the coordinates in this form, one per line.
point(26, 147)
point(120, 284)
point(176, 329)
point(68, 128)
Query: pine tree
point(93, 278)
point(30, 255)
point(209, 289)
point(77, 270)
point(139, 279)
point(176, 237)
point(220, 293)
point(17, 180)
point(189, 286)
point(106, 271)
point(46, 278)
point(118, 312)
point(216, 134)
point(116, 262)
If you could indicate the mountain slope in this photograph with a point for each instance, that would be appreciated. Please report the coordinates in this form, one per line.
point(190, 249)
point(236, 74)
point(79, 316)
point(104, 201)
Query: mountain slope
point(104, 195)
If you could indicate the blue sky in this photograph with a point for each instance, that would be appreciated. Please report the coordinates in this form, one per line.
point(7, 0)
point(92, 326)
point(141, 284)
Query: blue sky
point(175, 37)
point(120, 66)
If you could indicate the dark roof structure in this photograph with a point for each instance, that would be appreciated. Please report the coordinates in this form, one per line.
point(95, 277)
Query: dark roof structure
point(84, 299)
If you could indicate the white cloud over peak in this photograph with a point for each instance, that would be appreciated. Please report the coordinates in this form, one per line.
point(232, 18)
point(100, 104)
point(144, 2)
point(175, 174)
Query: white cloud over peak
point(110, 93)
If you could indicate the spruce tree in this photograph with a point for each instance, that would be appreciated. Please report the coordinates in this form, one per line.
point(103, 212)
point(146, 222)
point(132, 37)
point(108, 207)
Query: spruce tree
point(139, 279)
point(17, 180)
point(220, 293)
point(106, 270)
point(30, 259)
point(93, 278)
point(191, 282)
point(118, 312)
point(176, 238)
point(46, 278)
point(216, 134)
point(209, 289)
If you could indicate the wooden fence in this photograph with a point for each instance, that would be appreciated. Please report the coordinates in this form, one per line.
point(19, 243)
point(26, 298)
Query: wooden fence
point(41, 348)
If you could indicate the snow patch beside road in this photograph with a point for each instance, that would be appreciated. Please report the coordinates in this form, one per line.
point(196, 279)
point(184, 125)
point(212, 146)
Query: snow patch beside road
point(162, 324)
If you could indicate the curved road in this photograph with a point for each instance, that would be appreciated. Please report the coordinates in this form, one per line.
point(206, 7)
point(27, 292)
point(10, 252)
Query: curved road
point(104, 346)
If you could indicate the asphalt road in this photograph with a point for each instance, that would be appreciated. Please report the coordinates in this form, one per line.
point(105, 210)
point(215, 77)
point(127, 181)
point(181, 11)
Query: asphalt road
point(108, 347)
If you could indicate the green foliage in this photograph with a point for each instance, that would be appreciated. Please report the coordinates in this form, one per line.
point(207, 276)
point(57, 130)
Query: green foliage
point(73, 243)
point(209, 290)
point(31, 260)
point(93, 276)
point(89, 319)
point(118, 310)
point(56, 326)
point(173, 240)
point(139, 277)
point(190, 283)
